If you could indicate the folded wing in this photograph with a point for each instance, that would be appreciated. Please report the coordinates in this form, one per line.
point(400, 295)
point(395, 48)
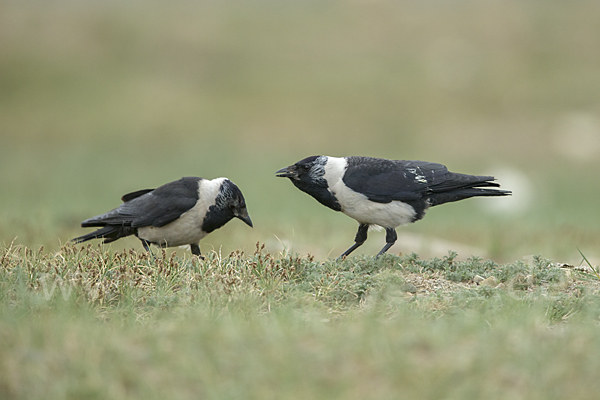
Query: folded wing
point(383, 181)
point(147, 207)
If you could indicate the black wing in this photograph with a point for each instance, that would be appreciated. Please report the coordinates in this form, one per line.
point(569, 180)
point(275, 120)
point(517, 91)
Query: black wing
point(156, 207)
point(385, 180)
point(133, 195)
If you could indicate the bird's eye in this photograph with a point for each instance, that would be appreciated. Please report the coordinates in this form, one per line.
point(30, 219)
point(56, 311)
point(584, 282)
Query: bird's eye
point(306, 167)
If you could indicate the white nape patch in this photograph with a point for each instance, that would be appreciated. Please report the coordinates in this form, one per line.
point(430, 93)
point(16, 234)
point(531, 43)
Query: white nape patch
point(358, 206)
point(334, 170)
point(187, 228)
point(208, 190)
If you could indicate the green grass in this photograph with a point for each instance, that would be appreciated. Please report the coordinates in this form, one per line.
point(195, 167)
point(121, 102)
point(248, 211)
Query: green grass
point(89, 322)
point(98, 99)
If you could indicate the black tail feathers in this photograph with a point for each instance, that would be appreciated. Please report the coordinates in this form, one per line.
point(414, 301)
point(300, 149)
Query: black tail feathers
point(461, 194)
point(109, 233)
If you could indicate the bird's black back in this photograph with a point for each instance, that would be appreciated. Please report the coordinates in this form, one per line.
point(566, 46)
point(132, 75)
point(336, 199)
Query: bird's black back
point(149, 207)
point(384, 180)
point(146, 207)
point(419, 183)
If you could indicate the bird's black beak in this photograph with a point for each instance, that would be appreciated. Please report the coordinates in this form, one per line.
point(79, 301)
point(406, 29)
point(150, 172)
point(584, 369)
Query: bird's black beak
point(246, 218)
point(286, 172)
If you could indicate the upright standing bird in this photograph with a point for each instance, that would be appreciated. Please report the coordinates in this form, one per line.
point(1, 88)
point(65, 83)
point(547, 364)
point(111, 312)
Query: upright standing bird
point(388, 193)
point(175, 214)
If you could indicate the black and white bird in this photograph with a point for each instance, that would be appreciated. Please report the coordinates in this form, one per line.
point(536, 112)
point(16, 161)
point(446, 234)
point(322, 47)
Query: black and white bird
point(387, 193)
point(176, 214)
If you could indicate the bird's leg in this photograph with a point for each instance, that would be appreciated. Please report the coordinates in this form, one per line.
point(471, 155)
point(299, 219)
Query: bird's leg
point(360, 238)
point(390, 239)
point(146, 245)
point(196, 251)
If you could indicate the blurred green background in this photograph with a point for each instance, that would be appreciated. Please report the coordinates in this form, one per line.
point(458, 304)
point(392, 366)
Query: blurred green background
point(100, 98)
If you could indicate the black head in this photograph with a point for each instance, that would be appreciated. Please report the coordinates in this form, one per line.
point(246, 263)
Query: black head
point(307, 170)
point(308, 176)
point(231, 200)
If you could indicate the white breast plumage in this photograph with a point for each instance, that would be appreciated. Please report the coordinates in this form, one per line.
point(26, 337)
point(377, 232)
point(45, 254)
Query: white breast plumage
point(358, 206)
point(188, 227)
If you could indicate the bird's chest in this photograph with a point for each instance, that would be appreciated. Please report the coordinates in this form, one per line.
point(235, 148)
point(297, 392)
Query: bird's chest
point(358, 206)
point(184, 230)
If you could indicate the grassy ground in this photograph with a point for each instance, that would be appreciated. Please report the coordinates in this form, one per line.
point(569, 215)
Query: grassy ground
point(98, 99)
point(87, 322)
